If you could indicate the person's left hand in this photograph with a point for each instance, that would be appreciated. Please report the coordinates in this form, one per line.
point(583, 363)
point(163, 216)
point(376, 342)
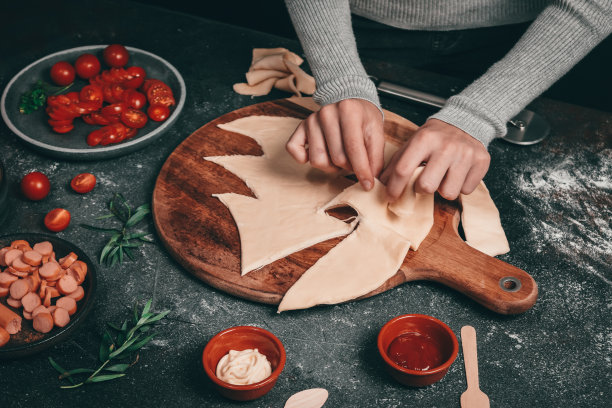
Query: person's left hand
point(455, 162)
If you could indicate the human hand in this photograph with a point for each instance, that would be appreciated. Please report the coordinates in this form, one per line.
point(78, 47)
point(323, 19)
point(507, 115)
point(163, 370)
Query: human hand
point(344, 135)
point(456, 162)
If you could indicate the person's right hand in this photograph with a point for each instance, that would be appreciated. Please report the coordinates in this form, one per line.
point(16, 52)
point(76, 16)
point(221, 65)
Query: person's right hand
point(344, 135)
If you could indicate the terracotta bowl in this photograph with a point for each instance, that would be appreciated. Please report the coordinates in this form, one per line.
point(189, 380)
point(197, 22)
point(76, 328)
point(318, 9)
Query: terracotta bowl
point(242, 338)
point(437, 334)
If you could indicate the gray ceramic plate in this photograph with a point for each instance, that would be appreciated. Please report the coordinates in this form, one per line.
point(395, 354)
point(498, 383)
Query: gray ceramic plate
point(34, 130)
point(29, 341)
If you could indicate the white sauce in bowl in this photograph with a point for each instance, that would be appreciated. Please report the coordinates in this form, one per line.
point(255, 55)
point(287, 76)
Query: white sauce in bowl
point(243, 367)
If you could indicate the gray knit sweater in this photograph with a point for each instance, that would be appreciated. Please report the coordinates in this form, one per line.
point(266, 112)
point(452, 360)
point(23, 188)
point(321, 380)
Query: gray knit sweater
point(561, 34)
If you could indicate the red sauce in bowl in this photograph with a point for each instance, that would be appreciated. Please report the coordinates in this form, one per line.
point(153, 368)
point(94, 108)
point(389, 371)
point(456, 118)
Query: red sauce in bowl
point(415, 351)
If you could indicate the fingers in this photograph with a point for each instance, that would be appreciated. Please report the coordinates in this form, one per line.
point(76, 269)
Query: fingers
point(399, 171)
point(296, 145)
point(375, 146)
point(328, 121)
point(317, 148)
point(354, 146)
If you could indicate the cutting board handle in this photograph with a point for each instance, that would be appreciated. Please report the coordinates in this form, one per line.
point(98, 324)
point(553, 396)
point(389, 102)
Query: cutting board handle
point(445, 258)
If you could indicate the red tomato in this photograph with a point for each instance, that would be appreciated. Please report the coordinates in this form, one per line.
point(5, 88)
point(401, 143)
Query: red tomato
point(35, 186)
point(62, 73)
point(134, 118)
point(83, 183)
point(57, 220)
point(62, 129)
point(158, 113)
point(114, 109)
point(136, 77)
point(116, 55)
point(158, 93)
point(95, 137)
point(134, 99)
point(92, 93)
point(87, 66)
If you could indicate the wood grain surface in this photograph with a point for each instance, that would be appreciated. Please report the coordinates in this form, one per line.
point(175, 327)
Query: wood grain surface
point(200, 233)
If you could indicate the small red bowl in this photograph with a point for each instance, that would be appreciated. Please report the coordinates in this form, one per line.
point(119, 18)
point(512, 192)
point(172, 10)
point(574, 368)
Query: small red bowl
point(242, 338)
point(436, 332)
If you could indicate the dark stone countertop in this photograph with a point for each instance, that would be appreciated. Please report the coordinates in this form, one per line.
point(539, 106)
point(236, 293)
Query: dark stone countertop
point(554, 199)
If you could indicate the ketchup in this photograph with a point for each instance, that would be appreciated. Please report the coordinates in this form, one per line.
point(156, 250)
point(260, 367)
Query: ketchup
point(415, 351)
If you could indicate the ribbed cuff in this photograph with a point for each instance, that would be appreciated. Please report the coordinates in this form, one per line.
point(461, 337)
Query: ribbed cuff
point(350, 87)
point(471, 117)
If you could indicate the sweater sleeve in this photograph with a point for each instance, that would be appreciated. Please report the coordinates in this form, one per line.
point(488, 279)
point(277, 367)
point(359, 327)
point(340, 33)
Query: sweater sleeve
point(563, 33)
point(325, 32)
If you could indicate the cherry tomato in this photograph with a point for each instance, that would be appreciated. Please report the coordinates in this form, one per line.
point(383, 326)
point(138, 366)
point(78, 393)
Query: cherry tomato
point(136, 77)
point(87, 66)
point(83, 183)
point(95, 137)
point(134, 99)
point(92, 93)
point(115, 55)
point(35, 186)
point(62, 73)
point(57, 219)
point(158, 113)
point(134, 118)
point(158, 93)
point(62, 129)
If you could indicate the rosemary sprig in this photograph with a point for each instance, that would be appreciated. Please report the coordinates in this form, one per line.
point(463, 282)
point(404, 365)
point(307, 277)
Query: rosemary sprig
point(115, 348)
point(36, 97)
point(122, 240)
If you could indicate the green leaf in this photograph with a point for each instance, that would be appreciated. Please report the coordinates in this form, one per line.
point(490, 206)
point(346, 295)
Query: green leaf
point(141, 343)
point(147, 307)
point(104, 217)
point(106, 377)
point(136, 218)
point(79, 371)
point(105, 346)
point(107, 248)
point(120, 252)
point(158, 317)
point(147, 240)
point(124, 346)
point(56, 366)
point(118, 368)
point(127, 251)
point(94, 228)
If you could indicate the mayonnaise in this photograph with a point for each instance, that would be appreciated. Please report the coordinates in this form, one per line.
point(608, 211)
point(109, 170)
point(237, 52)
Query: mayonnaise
point(243, 367)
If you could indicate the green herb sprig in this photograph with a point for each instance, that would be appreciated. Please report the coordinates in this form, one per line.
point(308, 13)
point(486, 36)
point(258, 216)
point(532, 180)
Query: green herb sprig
point(36, 97)
point(122, 241)
point(115, 348)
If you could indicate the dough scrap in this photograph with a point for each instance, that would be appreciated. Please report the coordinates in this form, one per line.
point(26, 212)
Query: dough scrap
point(481, 223)
point(276, 68)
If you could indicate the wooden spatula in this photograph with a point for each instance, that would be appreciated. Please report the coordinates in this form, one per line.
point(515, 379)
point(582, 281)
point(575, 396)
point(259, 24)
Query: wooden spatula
point(312, 398)
point(472, 397)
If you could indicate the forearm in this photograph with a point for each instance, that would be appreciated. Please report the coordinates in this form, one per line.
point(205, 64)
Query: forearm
point(559, 37)
point(325, 32)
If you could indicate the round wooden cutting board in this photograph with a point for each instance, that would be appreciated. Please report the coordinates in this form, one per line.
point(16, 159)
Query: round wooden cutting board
point(200, 233)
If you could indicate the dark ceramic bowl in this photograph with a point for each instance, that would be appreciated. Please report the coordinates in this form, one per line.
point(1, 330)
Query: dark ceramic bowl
point(242, 338)
point(34, 130)
point(29, 341)
point(439, 336)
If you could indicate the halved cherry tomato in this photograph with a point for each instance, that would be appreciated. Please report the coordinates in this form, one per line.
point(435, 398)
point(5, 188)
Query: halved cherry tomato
point(136, 77)
point(98, 119)
point(115, 55)
point(35, 185)
point(62, 73)
point(87, 66)
point(114, 134)
point(130, 132)
point(95, 137)
point(92, 93)
point(158, 113)
point(114, 109)
point(83, 183)
point(57, 219)
point(134, 99)
point(73, 96)
point(134, 118)
point(62, 129)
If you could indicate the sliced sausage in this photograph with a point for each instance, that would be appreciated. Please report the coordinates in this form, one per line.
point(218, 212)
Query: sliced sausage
point(6, 279)
point(68, 260)
point(3, 292)
point(43, 322)
point(27, 315)
point(30, 302)
point(47, 300)
point(15, 272)
point(42, 290)
point(21, 245)
point(20, 266)
point(16, 303)
point(33, 258)
point(3, 252)
point(34, 281)
point(44, 248)
point(4, 336)
point(66, 285)
point(53, 292)
point(67, 303)
point(40, 309)
point(61, 317)
point(11, 255)
point(78, 294)
point(9, 320)
point(19, 289)
point(50, 271)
